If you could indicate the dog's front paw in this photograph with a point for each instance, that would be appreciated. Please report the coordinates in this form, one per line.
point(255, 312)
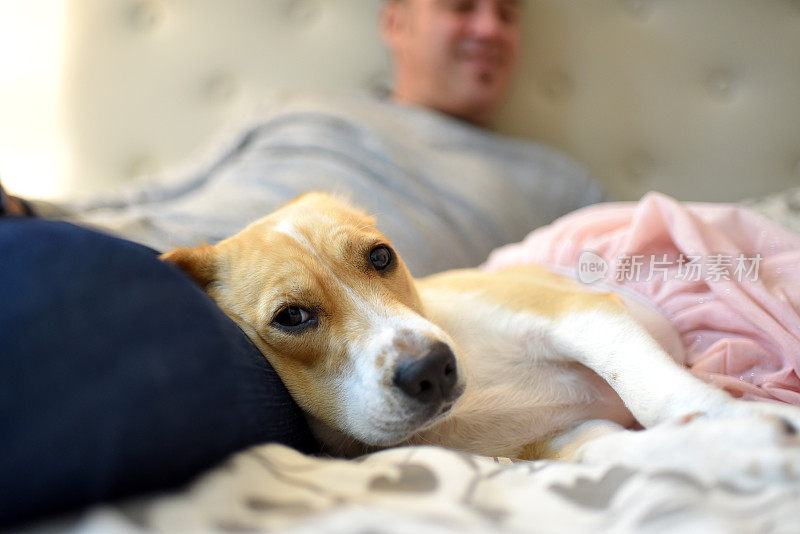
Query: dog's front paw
point(746, 452)
point(788, 415)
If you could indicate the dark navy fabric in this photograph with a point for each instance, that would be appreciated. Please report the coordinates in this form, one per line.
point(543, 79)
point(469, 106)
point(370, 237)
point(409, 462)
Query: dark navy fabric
point(118, 375)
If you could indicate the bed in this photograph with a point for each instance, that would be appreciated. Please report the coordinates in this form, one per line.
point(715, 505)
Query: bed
point(678, 97)
point(274, 488)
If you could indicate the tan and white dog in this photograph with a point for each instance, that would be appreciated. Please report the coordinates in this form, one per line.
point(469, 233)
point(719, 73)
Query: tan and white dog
point(522, 363)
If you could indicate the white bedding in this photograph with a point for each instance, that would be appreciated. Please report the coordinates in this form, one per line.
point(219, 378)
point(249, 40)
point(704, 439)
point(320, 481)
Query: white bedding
point(272, 488)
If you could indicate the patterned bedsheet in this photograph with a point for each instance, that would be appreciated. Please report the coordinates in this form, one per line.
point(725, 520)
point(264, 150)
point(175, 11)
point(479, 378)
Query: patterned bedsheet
point(427, 489)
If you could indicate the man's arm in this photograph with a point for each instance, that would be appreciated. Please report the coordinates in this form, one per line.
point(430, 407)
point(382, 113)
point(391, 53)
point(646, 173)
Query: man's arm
point(13, 206)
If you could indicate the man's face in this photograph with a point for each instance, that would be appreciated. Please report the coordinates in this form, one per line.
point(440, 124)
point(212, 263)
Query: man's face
point(456, 56)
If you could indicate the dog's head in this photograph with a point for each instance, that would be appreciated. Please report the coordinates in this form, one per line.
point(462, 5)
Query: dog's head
point(331, 305)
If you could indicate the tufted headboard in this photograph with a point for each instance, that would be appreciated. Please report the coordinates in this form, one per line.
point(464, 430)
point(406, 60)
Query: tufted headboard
point(698, 99)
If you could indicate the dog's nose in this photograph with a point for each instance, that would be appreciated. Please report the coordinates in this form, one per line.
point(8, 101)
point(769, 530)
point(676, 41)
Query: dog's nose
point(431, 378)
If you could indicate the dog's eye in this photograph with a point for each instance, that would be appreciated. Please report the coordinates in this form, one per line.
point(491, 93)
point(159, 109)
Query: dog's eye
point(381, 257)
point(293, 317)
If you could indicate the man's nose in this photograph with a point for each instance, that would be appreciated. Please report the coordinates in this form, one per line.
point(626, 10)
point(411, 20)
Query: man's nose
point(486, 21)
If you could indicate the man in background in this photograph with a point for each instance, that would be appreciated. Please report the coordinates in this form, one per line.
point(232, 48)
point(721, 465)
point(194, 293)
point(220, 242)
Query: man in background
point(118, 375)
point(425, 160)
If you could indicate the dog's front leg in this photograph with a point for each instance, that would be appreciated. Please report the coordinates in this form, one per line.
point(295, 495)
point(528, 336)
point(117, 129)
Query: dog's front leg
point(704, 430)
point(653, 387)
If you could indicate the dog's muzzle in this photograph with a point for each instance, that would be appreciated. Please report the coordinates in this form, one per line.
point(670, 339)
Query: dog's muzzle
point(431, 379)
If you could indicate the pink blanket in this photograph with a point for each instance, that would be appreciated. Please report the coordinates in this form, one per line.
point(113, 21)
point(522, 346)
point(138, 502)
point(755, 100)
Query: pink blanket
point(727, 279)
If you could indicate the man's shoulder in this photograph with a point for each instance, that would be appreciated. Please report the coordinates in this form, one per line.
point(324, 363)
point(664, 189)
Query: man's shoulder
point(383, 116)
point(365, 125)
point(359, 109)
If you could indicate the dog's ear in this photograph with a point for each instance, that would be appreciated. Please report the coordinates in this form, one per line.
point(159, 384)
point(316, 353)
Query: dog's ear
point(199, 262)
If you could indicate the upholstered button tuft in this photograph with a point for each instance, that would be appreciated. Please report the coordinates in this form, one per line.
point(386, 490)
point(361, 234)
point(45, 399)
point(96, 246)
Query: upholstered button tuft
point(557, 85)
point(638, 164)
point(145, 15)
point(141, 165)
point(637, 8)
point(220, 87)
point(302, 11)
point(721, 83)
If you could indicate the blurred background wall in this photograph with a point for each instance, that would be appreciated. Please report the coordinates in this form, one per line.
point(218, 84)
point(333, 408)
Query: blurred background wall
point(33, 152)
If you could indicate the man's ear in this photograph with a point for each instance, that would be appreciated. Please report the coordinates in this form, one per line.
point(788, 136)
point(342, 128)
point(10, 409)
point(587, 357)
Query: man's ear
point(199, 262)
point(391, 21)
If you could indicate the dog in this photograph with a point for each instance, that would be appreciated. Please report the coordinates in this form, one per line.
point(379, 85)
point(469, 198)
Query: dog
point(522, 363)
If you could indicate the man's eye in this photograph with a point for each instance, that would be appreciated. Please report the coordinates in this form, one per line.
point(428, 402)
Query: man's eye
point(293, 317)
point(461, 6)
point(509, 15)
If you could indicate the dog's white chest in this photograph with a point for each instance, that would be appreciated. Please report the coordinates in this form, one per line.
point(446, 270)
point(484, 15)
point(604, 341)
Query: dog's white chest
point(519, 389)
